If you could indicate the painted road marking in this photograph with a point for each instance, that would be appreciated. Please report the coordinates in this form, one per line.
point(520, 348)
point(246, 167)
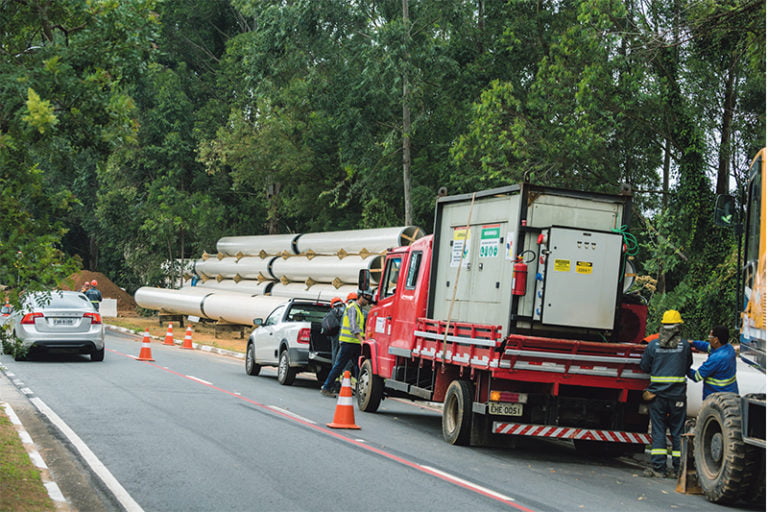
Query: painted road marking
point(288, 413)
point(197, 379)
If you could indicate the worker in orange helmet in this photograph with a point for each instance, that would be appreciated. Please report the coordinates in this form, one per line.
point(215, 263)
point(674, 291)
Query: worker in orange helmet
point(94, 295)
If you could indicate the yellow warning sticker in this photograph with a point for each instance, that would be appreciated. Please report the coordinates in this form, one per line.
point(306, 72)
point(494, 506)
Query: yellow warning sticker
point(583, 267)
point(562, 265)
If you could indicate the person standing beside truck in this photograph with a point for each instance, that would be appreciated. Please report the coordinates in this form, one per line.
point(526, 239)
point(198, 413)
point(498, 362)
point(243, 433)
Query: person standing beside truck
point(350, 340)
point(719, 370)
point(331, 325)
point(94, 295)
point(667, 360)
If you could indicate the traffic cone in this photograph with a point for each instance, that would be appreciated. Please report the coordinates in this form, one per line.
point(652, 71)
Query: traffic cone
point(188, 339)
point(344, 417)
point(169, 335)
point(145, 354)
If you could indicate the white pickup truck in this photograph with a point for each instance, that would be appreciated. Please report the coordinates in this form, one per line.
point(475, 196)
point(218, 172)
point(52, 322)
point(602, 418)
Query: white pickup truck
point(287, 337)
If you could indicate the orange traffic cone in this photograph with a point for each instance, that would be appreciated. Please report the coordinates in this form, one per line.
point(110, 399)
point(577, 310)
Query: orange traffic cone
point(145, 354)
point(169, 335)
point(345, 409)
point(188, 339)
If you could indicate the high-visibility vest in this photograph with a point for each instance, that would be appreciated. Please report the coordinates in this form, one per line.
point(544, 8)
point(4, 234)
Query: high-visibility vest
point(345, 334)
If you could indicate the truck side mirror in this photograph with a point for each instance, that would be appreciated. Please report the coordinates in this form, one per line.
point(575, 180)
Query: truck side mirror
point(725, 210)
point(364, 279)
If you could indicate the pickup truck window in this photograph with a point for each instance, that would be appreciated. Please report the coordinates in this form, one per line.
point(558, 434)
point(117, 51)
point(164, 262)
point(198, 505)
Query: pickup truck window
point(391, 273)
point(414, 264)
point(308, 312)
point(275, 316)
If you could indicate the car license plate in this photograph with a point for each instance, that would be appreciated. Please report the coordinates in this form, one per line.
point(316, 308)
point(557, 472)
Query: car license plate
point(505, 409)
point(63, 321)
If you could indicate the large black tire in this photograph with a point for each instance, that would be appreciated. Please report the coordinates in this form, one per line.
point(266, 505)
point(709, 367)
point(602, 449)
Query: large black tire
point(719, 451)
point(457, 413)
point(370, 388)
point(251, 367)
point(285, 374)
point(97, 355)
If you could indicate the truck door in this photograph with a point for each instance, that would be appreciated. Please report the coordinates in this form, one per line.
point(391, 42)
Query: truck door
point(380, 321)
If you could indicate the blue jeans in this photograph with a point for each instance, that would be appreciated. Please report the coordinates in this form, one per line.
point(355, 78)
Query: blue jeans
point(347, 352)
point(666, 413)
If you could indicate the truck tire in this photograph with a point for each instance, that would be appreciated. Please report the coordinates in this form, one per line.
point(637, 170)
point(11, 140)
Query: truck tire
point(719, 451)
point(457, 413)
point(251, 368)
point(370, 388)
point(285, 374)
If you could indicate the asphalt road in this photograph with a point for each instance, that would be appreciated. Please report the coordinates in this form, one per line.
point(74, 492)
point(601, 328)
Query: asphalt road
point(192, 432)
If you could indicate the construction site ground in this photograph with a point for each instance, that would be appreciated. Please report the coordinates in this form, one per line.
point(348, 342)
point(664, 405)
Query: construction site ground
point(202, 332)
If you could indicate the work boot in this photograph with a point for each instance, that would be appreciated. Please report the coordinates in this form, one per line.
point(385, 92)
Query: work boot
point(654, 473)
point(327, 392)
point(673, 473)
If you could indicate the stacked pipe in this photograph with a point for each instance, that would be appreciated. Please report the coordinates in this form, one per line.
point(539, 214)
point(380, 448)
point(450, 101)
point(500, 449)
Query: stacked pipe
point(250, 275)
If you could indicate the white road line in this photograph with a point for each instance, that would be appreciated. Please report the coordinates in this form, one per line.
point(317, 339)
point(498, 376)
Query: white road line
point(291, 414)
point(90, 458)
point(467, 483)
point(200, 380)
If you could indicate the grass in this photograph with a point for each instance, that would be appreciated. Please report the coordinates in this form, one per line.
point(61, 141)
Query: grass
point(21, 488)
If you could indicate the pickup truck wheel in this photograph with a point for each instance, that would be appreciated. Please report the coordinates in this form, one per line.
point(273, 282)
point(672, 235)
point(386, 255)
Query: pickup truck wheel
point(285, 374)
point(719, 451)
point(457, 413)
point(251, 368)
point(370, 388)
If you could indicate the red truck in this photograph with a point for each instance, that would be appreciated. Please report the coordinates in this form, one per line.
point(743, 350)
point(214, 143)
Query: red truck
point(514, 314)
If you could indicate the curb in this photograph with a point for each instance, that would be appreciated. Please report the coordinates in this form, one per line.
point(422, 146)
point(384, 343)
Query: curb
point(196, 346)
point(54, 492)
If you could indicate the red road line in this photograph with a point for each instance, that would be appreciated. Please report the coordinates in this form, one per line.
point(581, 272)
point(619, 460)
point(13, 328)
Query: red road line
point(400, 460)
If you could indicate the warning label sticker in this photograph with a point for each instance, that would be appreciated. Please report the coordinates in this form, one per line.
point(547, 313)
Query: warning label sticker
point(490, 238)
point(583, 267)
point(460, 249)
point(562, 265)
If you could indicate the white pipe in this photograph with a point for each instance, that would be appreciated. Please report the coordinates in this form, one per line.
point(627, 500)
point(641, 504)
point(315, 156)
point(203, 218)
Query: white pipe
point(248, 267)
point(257, 245)
point(247, 286)
point(238, 308)
point(171, 301)
point(372, 241)
point(325, 269)
point(318, 291)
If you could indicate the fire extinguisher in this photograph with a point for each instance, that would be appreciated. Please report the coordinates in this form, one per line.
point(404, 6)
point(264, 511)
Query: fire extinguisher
point(519, 277)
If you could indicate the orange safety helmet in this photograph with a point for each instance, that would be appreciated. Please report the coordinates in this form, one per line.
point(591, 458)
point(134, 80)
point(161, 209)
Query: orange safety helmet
point(94, 283)
point(352, 296)
point(335, 301)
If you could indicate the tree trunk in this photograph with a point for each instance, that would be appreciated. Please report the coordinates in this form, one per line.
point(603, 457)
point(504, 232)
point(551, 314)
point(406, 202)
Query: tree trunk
point(408, 217)
point(723, 156)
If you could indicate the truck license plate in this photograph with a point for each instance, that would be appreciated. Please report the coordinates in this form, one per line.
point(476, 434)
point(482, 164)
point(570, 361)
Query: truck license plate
point(505, 409)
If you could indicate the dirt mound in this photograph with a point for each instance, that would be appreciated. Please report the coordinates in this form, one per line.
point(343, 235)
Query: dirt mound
point(109, 290)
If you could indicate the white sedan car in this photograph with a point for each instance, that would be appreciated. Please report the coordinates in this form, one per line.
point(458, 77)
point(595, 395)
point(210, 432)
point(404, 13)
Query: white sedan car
point(58, 321)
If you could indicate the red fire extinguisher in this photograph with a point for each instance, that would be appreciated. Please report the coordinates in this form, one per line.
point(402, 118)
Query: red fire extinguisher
point(519, 277)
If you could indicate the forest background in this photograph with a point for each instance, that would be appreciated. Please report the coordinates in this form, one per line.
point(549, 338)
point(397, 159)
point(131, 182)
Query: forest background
point(134, 132)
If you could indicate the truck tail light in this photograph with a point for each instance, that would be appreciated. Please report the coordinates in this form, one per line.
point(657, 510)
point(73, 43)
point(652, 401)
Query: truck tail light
point(508, 396)
point(95, 318)
point(304, 335)
point(29, 318)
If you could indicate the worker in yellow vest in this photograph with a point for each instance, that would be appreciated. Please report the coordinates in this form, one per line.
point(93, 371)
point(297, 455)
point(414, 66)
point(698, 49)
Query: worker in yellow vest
point(350, 340)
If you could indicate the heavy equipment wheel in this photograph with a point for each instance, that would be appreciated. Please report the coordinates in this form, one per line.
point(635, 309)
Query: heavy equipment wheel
point(285, 374)
point(719, 451)
point(457, 413)
point(370, 388)
point(251, 368)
